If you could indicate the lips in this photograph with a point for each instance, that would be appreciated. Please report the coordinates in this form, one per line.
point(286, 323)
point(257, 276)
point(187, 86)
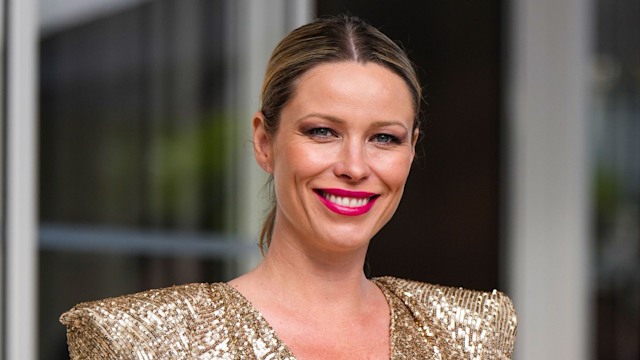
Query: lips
point(345, 202)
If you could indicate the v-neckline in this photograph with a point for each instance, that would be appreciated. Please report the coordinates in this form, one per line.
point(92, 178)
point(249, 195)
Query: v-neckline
point(248, 305)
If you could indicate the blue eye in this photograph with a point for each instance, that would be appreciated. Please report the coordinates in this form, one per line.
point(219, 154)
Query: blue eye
point(386, 139)
point(321, 132)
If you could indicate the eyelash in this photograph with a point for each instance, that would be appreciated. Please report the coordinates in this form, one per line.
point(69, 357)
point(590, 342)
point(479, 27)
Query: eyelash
point(314, 132)
point(390, 138)
point(327, 133)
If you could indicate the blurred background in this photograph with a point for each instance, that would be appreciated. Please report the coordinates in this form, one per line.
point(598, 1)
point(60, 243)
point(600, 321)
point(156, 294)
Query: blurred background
point(126, 162)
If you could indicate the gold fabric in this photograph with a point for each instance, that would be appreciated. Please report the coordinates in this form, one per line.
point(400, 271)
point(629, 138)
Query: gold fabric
point(214, 321)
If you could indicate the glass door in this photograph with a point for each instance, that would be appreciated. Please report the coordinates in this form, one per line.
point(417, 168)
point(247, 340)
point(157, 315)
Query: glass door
point(146, 179)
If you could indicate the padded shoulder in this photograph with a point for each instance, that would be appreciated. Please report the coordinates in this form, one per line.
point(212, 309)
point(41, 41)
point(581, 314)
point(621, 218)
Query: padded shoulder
point(469, 323)
point(147, 325)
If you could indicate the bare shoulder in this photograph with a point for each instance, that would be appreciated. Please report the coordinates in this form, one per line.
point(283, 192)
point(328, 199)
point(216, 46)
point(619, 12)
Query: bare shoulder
point(460, 315)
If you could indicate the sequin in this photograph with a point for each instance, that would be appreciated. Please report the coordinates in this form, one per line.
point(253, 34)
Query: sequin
point(214, 321)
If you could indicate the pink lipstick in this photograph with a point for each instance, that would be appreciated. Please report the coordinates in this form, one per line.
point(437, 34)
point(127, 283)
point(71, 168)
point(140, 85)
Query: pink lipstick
point(345, 202)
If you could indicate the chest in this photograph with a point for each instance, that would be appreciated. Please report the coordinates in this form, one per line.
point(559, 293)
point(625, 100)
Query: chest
point(355, 340)
point(246, 333)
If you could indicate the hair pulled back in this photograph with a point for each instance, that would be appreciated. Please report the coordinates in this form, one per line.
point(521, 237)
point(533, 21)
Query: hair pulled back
point(326, 40)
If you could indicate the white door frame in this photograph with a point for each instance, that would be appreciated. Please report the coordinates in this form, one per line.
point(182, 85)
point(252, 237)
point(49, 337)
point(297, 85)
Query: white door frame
point(548, 177)
point(20, 181)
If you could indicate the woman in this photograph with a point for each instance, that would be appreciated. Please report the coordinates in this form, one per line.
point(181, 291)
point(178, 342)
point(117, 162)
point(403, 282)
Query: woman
point(337, 131)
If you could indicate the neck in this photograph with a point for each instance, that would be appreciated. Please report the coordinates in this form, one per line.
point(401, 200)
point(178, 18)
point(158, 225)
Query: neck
point(312, 276)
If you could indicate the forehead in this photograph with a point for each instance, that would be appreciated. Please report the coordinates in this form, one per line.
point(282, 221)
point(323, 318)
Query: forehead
point(353, 89)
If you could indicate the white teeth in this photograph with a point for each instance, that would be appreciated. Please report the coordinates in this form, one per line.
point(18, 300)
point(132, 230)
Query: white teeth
point(346, 201)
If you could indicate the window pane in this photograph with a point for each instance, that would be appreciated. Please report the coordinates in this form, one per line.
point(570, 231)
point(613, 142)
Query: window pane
point(616, 121)
point(136, 156)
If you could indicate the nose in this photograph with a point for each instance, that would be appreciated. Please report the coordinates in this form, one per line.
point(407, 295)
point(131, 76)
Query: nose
point(352, 163)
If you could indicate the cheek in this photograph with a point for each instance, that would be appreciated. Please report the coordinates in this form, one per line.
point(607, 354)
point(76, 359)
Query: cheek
point(301, 160)
point(392, 170)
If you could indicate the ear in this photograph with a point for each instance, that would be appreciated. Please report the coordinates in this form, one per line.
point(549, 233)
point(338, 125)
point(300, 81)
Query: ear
point(262, 147)
point(414, 140)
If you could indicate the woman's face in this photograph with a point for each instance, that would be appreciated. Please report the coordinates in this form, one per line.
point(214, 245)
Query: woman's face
point(341, 155)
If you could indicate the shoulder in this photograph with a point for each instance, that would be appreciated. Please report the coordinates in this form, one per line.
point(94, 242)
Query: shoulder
point(154, 322)
point(426, 292)
point(140, 305)
point(460, 315)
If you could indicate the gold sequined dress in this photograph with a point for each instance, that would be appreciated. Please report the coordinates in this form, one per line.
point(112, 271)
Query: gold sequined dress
point(214, 321)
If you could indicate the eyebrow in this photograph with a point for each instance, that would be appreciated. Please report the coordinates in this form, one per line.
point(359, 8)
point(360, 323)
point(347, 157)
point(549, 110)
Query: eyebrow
point(330, 118)
point(340, 121)
point(389, 123)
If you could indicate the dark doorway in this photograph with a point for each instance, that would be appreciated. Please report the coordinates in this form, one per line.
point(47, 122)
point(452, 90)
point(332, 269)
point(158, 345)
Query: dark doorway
point(447, 229)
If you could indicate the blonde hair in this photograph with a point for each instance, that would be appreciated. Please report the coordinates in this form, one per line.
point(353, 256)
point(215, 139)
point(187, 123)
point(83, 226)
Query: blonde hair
point(326, 40)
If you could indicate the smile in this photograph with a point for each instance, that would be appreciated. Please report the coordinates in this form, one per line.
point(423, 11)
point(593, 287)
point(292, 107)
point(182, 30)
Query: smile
point(345, 202)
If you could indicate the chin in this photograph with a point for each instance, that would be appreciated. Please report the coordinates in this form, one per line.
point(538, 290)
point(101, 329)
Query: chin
point(340, 243)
